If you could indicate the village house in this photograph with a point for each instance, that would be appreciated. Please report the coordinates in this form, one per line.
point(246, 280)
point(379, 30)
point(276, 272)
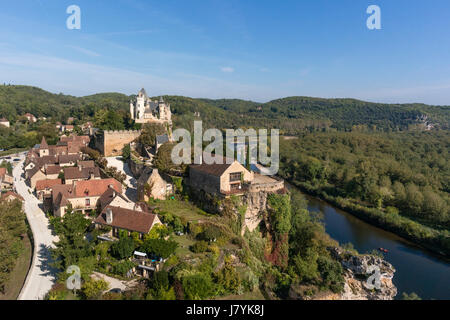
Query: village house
point(69, 160)
point(6, 180)
point(38, 173)
point(44, 188)
point(224, 179)
point(81, 195)
point(12, 196)
point(72, 174)
point(128, 220)
point(4, 122)
point(30, 117)
point(113, 198)
point(68, 128)
point(152, 185)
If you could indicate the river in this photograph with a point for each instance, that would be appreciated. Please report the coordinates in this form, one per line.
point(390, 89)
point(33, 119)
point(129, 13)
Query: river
point(417, 270)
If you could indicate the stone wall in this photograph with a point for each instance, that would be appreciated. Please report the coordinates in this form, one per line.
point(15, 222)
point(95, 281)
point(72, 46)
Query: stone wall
point(202, 181)
point(112, 142)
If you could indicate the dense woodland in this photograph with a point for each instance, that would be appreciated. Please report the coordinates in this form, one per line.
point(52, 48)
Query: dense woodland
point(401, 178)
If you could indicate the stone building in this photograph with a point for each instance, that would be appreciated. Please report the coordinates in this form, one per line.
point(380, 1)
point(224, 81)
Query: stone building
point(128, 220)
point(225, 179)
point(144, 110)
point(152, 184)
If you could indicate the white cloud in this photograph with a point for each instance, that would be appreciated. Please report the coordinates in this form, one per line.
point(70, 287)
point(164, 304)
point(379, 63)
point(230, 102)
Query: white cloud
point(227, 69)
point(85, 51)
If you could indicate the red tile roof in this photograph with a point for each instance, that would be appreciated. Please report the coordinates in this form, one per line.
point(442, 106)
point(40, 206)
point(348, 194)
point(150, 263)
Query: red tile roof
point(55, 169)
point(130, 220)
point(13, 194)
point(96, 187)
point(44, 184)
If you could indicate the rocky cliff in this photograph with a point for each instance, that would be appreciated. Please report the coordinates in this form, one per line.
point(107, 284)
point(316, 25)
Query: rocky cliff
point(367, 277)
point(361, 276)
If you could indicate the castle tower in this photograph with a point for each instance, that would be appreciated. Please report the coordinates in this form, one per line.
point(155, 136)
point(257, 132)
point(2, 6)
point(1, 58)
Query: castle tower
point(132, 110)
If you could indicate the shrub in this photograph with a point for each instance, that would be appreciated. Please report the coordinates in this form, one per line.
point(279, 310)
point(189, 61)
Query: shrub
point(199, 247)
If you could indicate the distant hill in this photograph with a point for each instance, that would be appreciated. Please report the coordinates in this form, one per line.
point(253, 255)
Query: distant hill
point(291, 115)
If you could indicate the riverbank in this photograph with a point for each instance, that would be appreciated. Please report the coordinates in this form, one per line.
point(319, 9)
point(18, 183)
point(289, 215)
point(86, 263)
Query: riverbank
point(422, 236)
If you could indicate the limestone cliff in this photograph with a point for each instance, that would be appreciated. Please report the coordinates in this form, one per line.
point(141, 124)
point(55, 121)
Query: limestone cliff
point(256, 203)
point(357, 270)
point(359, 281)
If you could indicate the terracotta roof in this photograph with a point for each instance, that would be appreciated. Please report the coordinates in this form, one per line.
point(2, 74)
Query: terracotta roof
point(84, 139)
point(44, 184)
point(130, 220)
point(96, 187)
point(108, 196)
point(86, 164)
point(81, 189)
point(12, 194)
point(74, 146)
point(213, 169)
point(55, 169)
point(69, 158)
point(58, 150)
point(80, 172)
point(45, 160)
point(60, 193)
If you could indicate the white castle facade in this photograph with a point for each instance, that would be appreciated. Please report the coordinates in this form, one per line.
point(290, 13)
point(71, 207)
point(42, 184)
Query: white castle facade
point(144, 110)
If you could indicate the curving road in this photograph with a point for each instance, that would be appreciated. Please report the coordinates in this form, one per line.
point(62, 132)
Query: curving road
point(41, 276)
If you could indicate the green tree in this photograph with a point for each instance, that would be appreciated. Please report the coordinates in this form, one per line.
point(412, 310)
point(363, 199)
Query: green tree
point(93, 289)
point(72, 244)
point(123, 248)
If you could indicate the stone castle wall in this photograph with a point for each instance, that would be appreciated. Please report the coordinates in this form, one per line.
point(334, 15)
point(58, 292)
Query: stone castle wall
point(114, 141)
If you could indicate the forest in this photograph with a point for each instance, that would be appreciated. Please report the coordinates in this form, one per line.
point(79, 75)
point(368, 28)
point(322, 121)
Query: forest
point(399, 180)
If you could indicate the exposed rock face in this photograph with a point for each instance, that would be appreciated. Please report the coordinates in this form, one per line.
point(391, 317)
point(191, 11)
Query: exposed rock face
point(357, 269)
point(256, 206)
point(361, 275)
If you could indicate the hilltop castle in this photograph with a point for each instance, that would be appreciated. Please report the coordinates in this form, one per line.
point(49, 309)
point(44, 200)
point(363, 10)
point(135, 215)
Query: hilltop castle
point(144, 110)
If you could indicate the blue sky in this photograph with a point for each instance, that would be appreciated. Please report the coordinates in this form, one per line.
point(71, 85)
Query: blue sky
point(252, 49)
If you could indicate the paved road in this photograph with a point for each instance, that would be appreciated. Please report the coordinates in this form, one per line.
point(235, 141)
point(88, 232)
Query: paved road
point(130, 181)
point(41, 276)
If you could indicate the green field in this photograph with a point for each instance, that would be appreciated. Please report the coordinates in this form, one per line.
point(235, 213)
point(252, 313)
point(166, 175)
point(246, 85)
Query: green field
point(183, 209)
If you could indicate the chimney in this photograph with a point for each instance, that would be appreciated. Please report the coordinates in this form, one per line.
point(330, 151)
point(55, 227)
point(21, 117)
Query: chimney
point(109, 216)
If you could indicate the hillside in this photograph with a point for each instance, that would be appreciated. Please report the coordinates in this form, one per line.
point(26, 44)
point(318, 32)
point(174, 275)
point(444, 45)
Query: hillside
point(292, 115)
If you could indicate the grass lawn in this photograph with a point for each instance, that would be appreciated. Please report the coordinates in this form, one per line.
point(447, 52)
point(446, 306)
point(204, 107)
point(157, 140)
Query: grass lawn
point(182, 209)
point(184, 242)
point(18, 275)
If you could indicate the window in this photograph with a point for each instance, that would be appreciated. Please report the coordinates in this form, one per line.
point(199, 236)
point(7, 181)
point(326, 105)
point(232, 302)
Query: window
point(236, 186)
point(88, 202)
point(235, 176)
